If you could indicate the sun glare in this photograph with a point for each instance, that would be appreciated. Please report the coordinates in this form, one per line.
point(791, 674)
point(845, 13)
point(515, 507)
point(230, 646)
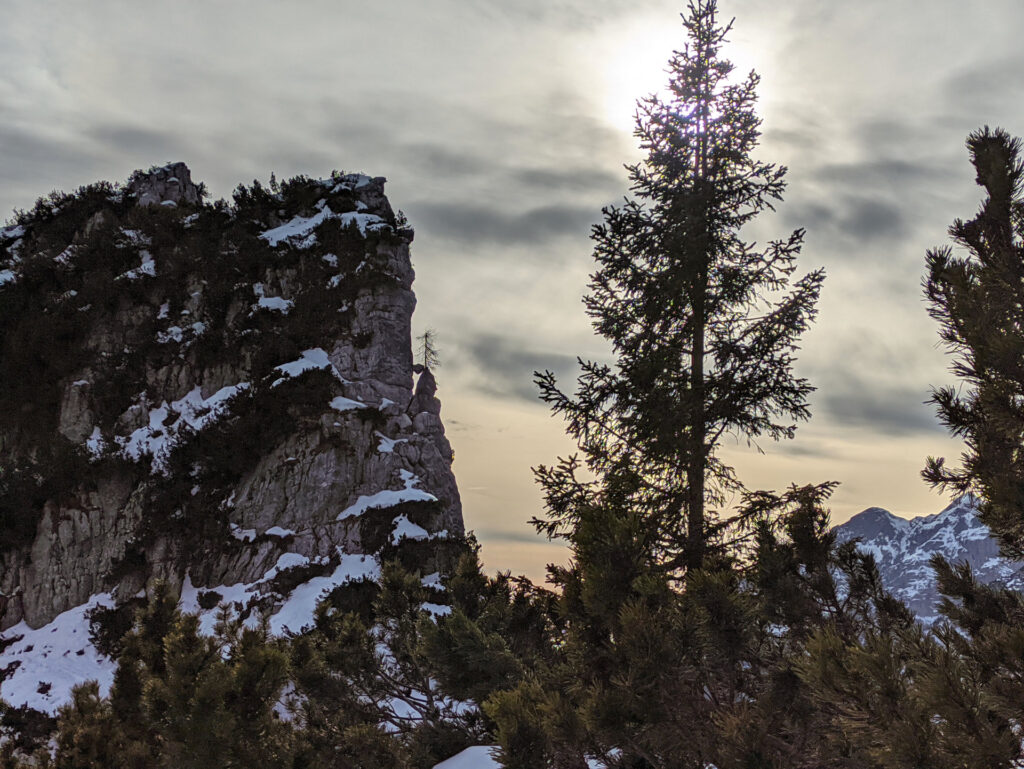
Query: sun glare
point(634, 64)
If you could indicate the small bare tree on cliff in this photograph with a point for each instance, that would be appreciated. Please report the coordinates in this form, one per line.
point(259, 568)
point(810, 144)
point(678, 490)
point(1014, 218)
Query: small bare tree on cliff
point(426, 351)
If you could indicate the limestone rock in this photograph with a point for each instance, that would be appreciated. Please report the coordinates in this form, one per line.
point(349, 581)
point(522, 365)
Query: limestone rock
point(233, 393)
point(170, 185)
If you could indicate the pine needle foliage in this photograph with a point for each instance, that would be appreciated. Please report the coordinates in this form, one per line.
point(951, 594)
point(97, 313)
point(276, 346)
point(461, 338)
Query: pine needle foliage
point(703, 322)
point(977, 296)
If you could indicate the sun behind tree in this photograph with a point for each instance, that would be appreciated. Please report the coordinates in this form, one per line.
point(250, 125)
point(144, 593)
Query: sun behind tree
point(703, 323)
point(656, 634)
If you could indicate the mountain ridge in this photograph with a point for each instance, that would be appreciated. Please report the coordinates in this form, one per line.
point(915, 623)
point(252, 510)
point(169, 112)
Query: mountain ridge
point(902, 549)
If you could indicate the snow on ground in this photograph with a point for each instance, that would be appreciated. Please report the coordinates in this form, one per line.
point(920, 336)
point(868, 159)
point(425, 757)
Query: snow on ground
point(14, 231)
point(243, 535)
point(347, 182)
point(172, 334)
point(58, 656)
point(286, 561)
point(387, 445)
point(311, 360)
point(147, 268)
point(95, 444)
point(296, 611)
point(192, 411)
point(7, 276)
point(341, 403)
point(388, 498)
point(299, 231)
point(477, 757)
point(275, 303)
point(436, 609)
point(407, 529)
point(136, 237)
point(239, 593)
point(53, 659)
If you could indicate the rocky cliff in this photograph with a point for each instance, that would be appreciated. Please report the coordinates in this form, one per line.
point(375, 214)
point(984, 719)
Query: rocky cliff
point(220, 395)
point(902, 549)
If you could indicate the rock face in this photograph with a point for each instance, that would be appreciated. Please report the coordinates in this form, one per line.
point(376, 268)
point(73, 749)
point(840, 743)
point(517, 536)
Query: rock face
point(211, 394)
point(902, 549)
point(171, 186)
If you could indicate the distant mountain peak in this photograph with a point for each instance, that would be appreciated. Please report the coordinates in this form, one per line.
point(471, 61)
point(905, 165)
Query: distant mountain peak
point(903, 549)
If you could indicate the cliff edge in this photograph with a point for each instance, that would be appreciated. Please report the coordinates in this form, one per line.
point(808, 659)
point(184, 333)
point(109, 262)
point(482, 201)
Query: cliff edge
point(219, 395)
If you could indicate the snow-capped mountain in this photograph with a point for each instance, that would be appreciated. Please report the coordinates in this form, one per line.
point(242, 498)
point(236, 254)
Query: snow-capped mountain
point(902, 549)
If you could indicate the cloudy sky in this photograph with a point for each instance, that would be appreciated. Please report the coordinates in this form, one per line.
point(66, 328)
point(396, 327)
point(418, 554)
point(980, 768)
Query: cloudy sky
point(502, 126)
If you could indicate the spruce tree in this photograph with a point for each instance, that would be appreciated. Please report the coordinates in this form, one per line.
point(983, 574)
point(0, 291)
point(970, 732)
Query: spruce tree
point(977, 295)
point(703, 323)
point(656, 631)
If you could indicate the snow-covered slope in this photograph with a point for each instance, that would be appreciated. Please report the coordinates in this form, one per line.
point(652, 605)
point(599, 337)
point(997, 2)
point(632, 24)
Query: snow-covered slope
point(903, 547)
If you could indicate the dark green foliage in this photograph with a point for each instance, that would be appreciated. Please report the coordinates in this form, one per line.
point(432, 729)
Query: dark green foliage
point(58, 470)
point(109, 626)
point(90, 736)
point(362, 670)
point(907, 700)
point(376, 525)
point(658, 632)
point(286, 580)
point(976, 295)
point(208, 599)
point(22, 730)
point(133, 562)
point(182, 700)
point(703, 323)
point(498, 630)
point(357, 597)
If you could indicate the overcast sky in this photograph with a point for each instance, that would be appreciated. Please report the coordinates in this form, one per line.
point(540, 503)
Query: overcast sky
point(502, 126)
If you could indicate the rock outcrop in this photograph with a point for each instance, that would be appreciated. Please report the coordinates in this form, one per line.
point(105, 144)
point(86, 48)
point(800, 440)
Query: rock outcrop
point(170, 186)
point(211, 394)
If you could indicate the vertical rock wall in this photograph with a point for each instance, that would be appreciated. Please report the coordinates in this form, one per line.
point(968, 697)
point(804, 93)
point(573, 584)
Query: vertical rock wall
point(227, 391)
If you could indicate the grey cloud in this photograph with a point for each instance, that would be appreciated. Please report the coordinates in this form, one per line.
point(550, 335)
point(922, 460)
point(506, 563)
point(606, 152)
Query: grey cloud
point(524, 537)
point(569, 179)
point(982, 87)
point(872, 220)
point(34, 164)
point(883, 173)
point(474, 224)
point(437, 160)
point(892, 411)
point(503, 368)
point(574, 13)
point(25, 151)
point(797, 138)
point(855, 219)
point(874, 381)
point(801, 447)
point(136, 140)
